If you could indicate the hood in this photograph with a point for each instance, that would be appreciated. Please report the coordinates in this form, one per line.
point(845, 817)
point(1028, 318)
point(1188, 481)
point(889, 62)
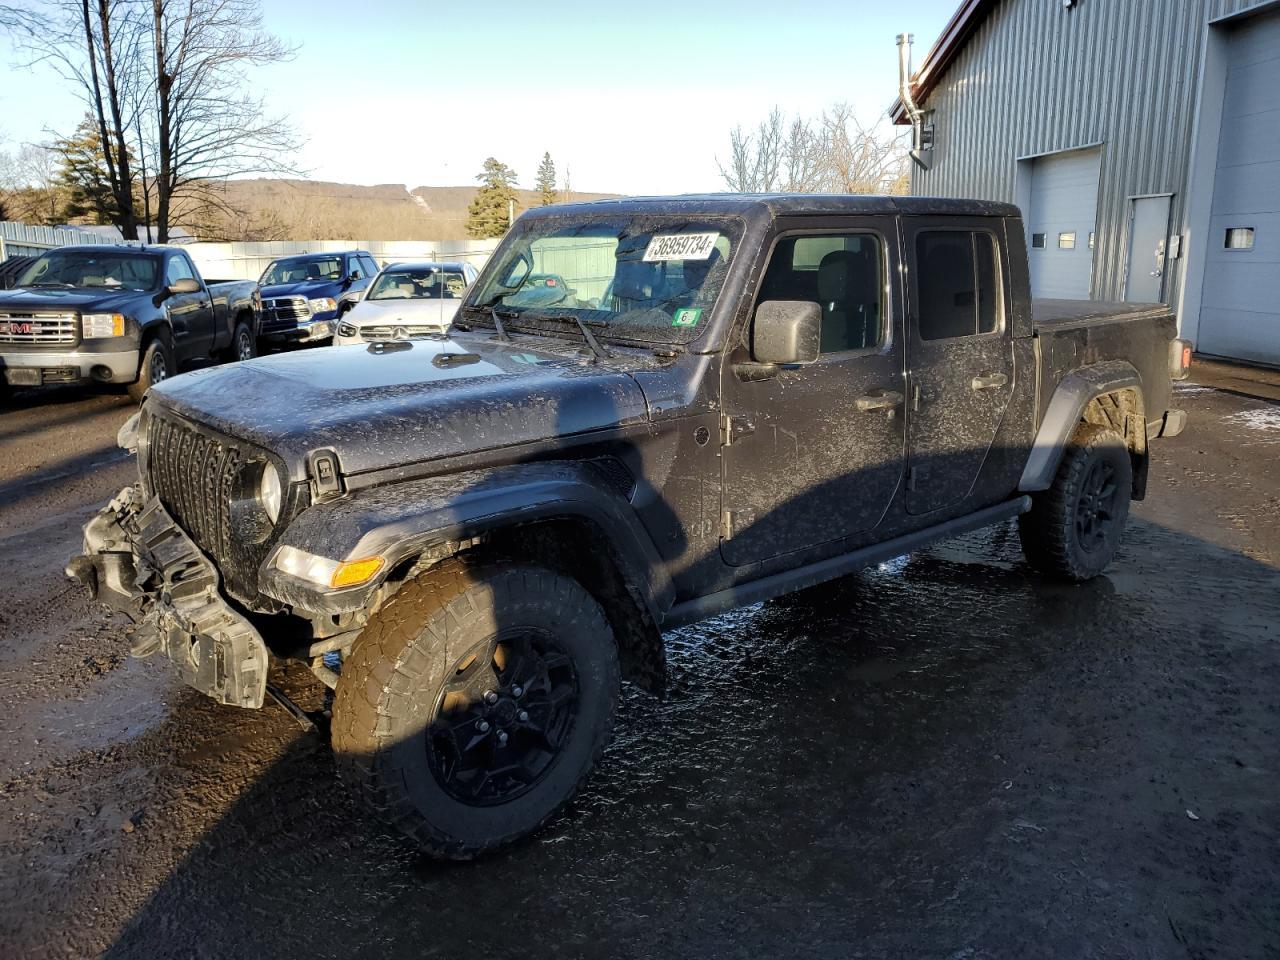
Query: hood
point(64, 300)
point(375, 312)
point(311, 289)
point(388, 405)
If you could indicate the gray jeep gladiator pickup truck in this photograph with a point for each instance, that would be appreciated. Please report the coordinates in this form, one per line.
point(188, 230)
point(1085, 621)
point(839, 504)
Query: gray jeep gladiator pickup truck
point(118, 314)
point(474, 539)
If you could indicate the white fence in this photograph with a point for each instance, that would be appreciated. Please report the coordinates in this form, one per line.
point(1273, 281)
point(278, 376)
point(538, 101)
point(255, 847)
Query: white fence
point(247, 261)
point(24, 240)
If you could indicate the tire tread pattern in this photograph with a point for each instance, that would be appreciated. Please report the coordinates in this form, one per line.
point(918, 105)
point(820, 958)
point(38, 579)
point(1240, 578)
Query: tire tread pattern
point(386, 666)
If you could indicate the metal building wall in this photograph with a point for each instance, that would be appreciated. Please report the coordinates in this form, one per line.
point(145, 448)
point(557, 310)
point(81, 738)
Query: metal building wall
point(1038, 77)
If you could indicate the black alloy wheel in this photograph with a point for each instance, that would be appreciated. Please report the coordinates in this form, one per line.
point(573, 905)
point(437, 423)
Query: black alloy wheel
point(503, 714)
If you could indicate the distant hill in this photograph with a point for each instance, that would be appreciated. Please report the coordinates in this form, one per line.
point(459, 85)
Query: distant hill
point(265, 209)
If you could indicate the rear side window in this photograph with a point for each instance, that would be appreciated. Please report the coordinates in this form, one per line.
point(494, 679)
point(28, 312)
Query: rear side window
point(843, 273)
point(957, 283)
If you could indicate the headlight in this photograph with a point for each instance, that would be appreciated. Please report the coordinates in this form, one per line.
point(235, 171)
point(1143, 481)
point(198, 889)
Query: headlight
point(95, 326)
point(269, 492)
point(323, 305)
point(347, 329)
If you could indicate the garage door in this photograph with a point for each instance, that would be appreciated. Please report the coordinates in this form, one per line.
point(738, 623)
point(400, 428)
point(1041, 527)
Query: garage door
point(1240, 313)
point(1063, 212)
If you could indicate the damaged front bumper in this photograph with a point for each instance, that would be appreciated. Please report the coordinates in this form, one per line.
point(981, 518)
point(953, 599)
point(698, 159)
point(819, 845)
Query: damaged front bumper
point(137, 559)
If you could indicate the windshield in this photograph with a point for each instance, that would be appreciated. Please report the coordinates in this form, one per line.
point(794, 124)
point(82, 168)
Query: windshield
point(653, 279)
point(300, 270)
point(418, 283)
point(110, 270)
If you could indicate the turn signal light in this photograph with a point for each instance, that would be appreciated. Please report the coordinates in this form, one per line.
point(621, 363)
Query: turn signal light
point(355, 572)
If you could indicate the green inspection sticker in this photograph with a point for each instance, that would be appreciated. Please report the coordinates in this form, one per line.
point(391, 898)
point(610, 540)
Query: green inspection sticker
point(686, 317)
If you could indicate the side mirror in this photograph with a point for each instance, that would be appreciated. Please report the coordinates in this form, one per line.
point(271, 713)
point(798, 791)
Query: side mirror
point(355, 275)
point(786, 332)
point(185, 285)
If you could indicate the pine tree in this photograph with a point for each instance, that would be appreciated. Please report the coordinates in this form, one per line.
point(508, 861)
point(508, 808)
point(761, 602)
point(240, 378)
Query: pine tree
point(83, 174)
point(546, 183)
point(489, 214)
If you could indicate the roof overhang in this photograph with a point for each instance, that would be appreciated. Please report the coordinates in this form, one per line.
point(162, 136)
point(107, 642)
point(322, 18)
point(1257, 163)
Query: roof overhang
point(940, 56)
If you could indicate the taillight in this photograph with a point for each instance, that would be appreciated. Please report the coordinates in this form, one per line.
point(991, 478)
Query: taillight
point(1180, 359)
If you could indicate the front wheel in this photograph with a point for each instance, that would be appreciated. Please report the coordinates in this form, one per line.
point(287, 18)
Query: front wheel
point(157, 365)
point(1073, 528)
point(475, 703)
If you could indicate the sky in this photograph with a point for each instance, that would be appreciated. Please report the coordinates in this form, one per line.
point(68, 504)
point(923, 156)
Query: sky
point(630, 97)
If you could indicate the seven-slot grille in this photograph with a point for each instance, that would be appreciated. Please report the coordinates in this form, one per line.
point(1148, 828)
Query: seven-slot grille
point(37, 328)
point(277, 310)
point(194, 475)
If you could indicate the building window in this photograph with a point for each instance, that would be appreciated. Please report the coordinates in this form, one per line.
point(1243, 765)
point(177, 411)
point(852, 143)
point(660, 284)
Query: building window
point(1037, 241)
point(1239, 238)
point(1066, 241)
point(1090, 239)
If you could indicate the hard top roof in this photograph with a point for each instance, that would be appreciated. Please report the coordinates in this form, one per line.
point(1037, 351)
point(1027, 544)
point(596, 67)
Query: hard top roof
point(783, 204)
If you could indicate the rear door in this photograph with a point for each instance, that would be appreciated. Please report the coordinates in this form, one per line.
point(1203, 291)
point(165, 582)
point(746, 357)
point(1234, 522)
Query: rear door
point(960, 356)
point(815, 453)
point(190, 314)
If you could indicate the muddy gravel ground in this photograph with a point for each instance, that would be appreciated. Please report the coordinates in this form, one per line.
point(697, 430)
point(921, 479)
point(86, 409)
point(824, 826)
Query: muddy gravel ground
point(944, 757)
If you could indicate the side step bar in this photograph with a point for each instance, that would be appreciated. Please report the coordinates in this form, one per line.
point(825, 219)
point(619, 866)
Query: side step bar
point(713, 604)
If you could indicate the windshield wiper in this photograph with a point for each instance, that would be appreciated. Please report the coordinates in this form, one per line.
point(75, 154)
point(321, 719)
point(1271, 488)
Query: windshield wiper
point(600, 352)
point(497, 325)
point(70, 286)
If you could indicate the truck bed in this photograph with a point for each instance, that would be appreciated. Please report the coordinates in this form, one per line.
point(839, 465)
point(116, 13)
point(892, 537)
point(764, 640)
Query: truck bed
point(1075, 333)
point(1063, 314)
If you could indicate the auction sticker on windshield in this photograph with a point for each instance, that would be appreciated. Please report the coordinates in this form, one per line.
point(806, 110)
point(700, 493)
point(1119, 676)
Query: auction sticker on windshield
point(680, 246)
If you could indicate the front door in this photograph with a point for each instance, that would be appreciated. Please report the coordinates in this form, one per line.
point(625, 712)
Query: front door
point(960, 357)
point(814, 454)
point(190, 314)
point(1148, 240)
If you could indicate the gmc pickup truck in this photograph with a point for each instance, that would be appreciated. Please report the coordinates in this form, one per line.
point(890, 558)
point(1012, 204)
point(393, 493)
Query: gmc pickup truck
point(473, 539)
point(125, 315)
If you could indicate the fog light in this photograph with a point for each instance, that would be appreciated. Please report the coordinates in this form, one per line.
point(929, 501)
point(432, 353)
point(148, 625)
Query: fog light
point(325, 572)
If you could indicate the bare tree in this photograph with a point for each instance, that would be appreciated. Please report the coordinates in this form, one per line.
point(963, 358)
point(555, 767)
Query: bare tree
point(834, 153)
point(172, 77)
point(208, 127)
point(30, 184)
point(94, 45)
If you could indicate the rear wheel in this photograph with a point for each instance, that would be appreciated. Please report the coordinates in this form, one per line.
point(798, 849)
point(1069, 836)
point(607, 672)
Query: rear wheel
point(475, 703)
point(157, 365)
point(1073, 528)
point(243, 346)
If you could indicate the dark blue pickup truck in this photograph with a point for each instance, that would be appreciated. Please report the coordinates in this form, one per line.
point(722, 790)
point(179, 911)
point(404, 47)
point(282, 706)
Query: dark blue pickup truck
point(119, 314)
point(303, 297)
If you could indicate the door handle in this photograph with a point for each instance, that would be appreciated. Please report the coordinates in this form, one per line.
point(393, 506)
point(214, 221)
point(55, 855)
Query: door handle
point(889, 400)
point(989, 381)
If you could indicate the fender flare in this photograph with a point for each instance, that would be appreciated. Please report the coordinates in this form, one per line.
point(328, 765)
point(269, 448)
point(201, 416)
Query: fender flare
point(1073, 394)
point(401, 521)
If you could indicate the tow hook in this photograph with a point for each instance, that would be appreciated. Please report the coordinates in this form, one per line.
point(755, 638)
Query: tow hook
point(82, 568)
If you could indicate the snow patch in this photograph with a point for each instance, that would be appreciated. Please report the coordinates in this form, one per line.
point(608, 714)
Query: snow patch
point(1265, 419)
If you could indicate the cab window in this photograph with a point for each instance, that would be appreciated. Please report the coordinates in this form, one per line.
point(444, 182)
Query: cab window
point(178, 269)
point(957, 284)
point(844, 274)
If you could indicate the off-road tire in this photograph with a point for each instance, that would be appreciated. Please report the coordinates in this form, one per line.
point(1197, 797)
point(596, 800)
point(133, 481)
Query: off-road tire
point(157, 350)
point(390, 686)
point(1050, 532)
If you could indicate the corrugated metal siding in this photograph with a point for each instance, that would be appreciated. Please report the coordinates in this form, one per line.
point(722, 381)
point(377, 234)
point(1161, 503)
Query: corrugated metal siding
point(1038, 78)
